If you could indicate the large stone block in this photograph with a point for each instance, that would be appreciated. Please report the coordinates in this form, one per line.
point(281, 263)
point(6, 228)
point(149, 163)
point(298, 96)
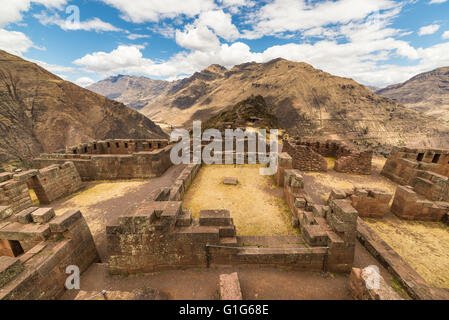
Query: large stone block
point(9, 268)
point(230, 287)
point(43, 215)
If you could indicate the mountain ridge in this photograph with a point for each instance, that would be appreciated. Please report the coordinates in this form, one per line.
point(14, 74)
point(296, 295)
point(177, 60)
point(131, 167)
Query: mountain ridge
point(40, 112)
point(306, 101)
point(426, 92)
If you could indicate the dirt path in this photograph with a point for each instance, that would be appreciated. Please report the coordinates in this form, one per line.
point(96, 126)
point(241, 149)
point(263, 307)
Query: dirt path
point(202, 283)
point(256, 283)
point(103, 202)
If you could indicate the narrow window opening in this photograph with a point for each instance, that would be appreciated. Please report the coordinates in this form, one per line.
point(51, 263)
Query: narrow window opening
point(420, 156)
point(436, 158)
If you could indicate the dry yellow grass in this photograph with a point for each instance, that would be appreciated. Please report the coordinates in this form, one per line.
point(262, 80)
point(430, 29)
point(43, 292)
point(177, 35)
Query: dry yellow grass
point(87, 199)
point(423, 245)
point(34, 198)
point(330, 162)
point(253, 205)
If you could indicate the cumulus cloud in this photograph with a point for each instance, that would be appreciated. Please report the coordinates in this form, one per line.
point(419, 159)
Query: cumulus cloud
point(94, 24)
point(12, 10)
point(124, 58)
point(282, 16)
point(354, 40)
point(153, 10)
point(197, 38)
point(14, 42)
point(220, 23)
point(437, 1)
point(430, 29)
point(445, 35)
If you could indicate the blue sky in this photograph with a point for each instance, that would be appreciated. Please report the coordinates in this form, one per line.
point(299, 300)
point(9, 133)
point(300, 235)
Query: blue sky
point(376, 42)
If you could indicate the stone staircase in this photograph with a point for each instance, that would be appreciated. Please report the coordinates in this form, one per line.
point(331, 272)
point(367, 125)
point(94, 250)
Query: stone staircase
point(225, 224)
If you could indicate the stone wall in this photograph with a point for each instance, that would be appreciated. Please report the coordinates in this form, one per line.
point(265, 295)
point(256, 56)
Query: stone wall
point(304, 158)
point(160, 235)
point(404, 164)
point(118, 146)
point(369, 202)
point(424, 176)
point(54, 182)
point(39, 272)
point(143, 164)
point(309, 156)
point(14, 195)
point(408, 204)
point(331, 226)
point(49, 183)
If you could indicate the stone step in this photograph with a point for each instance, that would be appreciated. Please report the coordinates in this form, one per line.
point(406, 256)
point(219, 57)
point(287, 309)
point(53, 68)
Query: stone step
point(216, 218)
point(315, 235)
point(24, 216)
point(43, 215)
point(308, 219)
point(228, 241)
point(184, 219)
point(20, 232)
point(228, 231)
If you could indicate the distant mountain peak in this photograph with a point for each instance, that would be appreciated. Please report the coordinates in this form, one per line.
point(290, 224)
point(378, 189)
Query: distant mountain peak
point(426, 92)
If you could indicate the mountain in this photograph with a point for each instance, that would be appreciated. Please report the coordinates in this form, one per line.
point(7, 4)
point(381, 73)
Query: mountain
point(306, 101)
point(251, 111)
point(135, 92)
point(427, 93)
point(40, 112)
point(373, 89)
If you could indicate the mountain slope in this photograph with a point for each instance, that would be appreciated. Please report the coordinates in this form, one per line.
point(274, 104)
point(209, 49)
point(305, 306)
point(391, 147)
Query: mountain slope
point(40, 112)
point(306, 102)
point(427, 93)
point(135, 92)
point(251, 111)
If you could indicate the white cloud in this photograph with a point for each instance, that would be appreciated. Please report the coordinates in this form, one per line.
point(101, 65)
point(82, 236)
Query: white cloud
point(121, 59)
point(299, 15)
point(197, 38)
point(445, 35)
point(11, 11)
point(133, 36)
point(165, 30)
point(437, 1)
point(220, 23)
point(430, 29)
point(14, 42)
point(153, 10)
point(84, 81)
point(94, 24)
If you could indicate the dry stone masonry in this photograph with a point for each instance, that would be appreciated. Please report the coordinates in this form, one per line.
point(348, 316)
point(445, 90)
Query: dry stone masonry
point(114, 159)
point(310, 155)
point(423, 175)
